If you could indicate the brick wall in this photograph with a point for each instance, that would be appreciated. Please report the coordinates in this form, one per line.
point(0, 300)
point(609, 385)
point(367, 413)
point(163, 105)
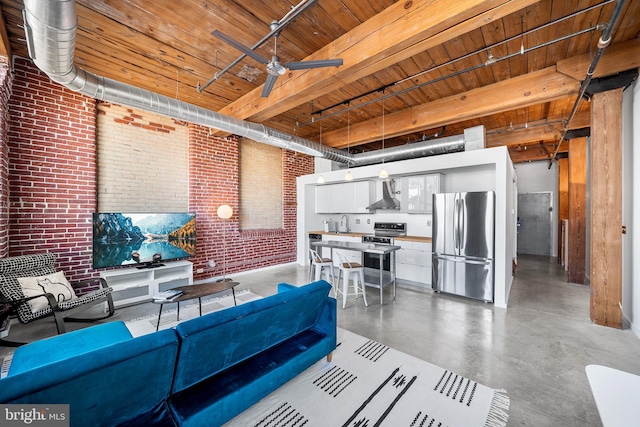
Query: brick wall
point(52, 173)
point(51, 164)
point(5, 92)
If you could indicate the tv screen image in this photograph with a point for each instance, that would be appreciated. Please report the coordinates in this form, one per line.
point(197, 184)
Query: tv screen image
point(142, 238)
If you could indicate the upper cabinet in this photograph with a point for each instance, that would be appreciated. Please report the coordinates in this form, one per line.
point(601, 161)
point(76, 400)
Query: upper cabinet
point(417, 191)
point(343, 198)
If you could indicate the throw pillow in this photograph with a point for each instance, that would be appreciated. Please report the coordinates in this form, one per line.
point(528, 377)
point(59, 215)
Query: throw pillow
point(55, 284)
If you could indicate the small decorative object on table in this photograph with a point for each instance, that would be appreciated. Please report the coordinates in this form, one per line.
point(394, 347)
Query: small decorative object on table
point(168, 295)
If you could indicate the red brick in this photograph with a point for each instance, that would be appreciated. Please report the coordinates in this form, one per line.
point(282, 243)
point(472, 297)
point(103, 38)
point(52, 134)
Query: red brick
point(47, 158)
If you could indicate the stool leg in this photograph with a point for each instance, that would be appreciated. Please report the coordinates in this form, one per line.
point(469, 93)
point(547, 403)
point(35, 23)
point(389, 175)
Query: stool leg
point(364, 293)
point(345, 289)
point(336, 285)
point(355, 283)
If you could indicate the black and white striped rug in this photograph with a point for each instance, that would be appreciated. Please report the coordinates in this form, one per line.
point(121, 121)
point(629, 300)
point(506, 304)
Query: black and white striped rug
point(370, 384)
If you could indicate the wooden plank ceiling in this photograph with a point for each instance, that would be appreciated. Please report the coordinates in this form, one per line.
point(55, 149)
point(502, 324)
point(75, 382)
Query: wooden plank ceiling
point(433, 67)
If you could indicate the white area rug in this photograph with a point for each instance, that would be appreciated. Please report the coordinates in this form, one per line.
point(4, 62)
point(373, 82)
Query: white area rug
point(188, 310)
point(370, 384)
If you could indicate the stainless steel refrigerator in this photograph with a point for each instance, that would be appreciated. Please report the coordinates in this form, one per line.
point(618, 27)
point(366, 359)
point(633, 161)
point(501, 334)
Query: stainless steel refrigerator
point(463, 244)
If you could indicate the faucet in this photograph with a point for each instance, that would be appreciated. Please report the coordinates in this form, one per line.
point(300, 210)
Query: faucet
point(344, 223)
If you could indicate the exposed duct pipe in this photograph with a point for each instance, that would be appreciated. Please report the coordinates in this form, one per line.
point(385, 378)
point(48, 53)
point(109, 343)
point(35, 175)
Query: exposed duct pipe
point(449, 144)
point(50, 28)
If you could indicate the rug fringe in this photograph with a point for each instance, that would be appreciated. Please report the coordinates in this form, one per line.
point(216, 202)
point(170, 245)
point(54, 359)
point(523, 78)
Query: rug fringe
point(498, 415)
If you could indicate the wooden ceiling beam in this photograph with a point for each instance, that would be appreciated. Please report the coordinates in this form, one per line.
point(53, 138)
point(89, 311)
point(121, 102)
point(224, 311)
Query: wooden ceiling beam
point(535, 152)
point(518, 92)
point(616, 58)
point(485, 101)
point(5, 45)
point(547, 130)
point(522, 136)
point(399, 32)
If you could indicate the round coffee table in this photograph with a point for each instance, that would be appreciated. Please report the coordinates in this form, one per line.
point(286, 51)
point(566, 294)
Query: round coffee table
point(197, 291)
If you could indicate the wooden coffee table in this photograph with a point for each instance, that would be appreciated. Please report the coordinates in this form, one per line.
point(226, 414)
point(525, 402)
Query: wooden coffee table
point(198, 291)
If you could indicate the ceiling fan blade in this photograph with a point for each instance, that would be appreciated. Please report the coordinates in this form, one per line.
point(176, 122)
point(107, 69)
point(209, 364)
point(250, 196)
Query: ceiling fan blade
point(268, 85)
point(242, 48)
point(303, 65)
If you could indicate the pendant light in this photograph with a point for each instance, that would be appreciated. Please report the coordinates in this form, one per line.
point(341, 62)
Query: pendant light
point(383, 172)
point(348, 176)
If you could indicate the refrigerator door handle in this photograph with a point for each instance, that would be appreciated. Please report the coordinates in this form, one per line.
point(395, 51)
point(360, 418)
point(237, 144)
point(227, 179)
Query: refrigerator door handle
point(455, 225)
point(462, 225)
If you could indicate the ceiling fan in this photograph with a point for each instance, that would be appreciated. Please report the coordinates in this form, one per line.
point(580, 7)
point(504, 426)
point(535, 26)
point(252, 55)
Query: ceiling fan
point(274, 67)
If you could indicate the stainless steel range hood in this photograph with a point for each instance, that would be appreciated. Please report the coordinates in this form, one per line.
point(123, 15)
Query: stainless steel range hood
point(388, 200)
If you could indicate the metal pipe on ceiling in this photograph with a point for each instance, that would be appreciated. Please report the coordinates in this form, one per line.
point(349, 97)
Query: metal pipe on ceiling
point(50, 28)
point(347, 102)
point(603, 42)
point(489, 62)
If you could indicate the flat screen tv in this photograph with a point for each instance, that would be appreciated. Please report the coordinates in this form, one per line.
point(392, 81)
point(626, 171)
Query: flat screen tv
point(144, 239)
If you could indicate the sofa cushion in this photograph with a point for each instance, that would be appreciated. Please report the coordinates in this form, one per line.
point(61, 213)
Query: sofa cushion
point(60, 347)
point(55, 284)
point(216, 341)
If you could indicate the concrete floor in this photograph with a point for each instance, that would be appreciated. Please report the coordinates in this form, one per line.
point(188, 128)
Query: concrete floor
point(536, 349)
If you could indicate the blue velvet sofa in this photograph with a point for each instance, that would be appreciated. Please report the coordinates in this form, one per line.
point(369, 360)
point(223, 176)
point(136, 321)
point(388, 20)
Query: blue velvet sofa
point(202, 373)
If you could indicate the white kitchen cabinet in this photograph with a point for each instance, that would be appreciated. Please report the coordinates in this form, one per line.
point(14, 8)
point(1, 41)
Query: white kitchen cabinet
point(413, 262)
point(132, 285)
point(345, 198)
point(417, 192)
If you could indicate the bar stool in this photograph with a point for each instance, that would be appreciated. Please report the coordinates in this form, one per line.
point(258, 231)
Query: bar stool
point(348, 268)
point(319, 264)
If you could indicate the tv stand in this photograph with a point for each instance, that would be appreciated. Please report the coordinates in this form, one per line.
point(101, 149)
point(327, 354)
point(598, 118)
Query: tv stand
point(136, 285)
point(149, 265)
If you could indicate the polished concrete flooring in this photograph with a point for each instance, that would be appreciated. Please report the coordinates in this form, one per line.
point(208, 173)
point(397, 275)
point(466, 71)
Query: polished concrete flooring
point(536, 349)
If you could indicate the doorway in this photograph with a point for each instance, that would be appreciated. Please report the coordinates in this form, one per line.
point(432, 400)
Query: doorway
point(535, 223)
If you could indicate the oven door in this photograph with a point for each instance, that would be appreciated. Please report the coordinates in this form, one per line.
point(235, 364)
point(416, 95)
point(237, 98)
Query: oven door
point(373, 261)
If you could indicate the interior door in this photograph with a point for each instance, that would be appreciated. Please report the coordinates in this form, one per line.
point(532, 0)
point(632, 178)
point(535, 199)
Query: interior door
point(534, 223)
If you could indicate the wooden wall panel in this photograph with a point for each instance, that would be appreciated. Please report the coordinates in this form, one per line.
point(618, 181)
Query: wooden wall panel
point(606, 208)
point(577, 209)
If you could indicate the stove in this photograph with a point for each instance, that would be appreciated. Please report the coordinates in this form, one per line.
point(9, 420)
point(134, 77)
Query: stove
point(378, 240)
point(383, 234)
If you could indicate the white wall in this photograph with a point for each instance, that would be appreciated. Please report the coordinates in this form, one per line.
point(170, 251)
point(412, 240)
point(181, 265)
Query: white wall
point(535, 177)
point(631, 206)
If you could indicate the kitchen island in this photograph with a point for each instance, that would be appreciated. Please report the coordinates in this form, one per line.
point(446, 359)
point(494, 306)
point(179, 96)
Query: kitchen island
point(374, 278)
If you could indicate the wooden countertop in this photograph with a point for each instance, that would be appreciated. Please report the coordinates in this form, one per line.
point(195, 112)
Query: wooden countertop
point(422, 239)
